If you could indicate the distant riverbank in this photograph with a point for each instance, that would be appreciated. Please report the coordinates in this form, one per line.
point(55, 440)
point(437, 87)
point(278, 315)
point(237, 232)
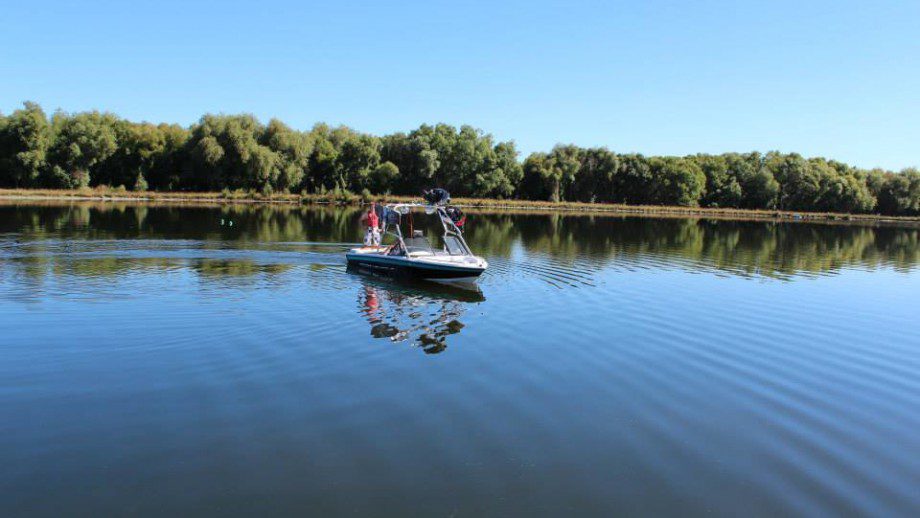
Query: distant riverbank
point(114, 195)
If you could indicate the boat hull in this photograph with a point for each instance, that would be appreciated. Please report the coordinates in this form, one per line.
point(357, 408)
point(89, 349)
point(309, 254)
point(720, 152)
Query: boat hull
point(416, 270)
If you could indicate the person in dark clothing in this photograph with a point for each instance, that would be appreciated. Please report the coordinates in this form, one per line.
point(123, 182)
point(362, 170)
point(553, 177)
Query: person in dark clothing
point(436, 196)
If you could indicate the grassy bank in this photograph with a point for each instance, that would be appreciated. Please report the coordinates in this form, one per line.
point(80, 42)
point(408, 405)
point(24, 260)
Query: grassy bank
point(113, 194)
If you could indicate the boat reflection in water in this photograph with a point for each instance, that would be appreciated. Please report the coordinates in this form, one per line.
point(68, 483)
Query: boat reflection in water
point(421, 313)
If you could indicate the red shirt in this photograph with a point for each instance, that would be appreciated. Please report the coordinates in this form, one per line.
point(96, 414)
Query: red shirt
point(372, 219)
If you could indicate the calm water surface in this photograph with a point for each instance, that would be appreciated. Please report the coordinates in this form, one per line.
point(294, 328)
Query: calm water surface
point(158, 361)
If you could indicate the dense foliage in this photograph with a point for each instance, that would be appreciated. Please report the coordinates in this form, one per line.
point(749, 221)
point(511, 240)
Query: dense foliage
point(239, 152)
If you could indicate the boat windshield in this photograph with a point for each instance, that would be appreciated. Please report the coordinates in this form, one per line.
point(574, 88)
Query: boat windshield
point(417, 244)
point(454, 246)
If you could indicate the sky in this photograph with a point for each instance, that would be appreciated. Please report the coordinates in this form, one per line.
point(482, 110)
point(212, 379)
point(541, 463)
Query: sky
point(836, 79)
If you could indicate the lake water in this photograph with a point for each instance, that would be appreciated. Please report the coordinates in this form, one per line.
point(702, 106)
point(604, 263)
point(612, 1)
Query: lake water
point(156, 360)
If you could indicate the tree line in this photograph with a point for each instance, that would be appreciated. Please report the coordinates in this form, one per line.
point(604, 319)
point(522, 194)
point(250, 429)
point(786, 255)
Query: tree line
point(239, 152)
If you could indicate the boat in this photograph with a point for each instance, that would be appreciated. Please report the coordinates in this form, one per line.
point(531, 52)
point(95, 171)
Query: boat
point(413, 256)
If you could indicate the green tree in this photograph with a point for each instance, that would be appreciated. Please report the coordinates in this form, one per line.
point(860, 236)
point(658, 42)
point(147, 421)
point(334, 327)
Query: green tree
point(323, 161)
point(799, 182)
point(358, 158)
point(679, 181)
point(82, 142)
point(899, 193)
point(383, 178)
point(759, 188)
point(595, 178)
point(723, 188)
point(463, 160)
point(294, 149)
point(536, 183)
point(634, 182)
point(551, 176)
point(566, 163)
point(414, 157)
point(501, 172)
point(140, 184)
point(166, 170)
point(840, 189)
point(140, 147)
point(226, 152)
point(24, 140)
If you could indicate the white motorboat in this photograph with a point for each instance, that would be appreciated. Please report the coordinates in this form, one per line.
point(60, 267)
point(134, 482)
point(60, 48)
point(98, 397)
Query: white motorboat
point(414, 257)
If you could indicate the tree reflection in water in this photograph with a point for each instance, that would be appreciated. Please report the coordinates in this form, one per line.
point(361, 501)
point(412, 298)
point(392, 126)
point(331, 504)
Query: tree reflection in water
point(774, 249)
point(423, 314)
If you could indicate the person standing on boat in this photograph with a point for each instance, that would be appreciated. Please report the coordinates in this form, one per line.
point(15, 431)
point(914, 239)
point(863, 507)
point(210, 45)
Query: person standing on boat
point(372, 236)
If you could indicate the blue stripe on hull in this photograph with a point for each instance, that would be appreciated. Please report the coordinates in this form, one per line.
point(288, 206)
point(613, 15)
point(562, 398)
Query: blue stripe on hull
point(414, 270)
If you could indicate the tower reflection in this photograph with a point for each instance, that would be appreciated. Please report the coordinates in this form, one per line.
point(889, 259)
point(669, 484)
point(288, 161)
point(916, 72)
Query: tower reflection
point(420, 313)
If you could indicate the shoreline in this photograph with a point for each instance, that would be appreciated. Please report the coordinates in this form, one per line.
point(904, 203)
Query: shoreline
point(120, 196)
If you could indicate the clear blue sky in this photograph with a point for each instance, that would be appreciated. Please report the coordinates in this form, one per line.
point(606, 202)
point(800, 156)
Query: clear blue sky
point(839, 79)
